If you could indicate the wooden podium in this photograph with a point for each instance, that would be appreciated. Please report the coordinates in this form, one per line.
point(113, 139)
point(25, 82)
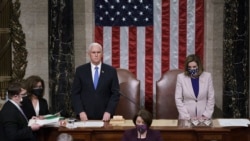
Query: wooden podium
point(171, 130)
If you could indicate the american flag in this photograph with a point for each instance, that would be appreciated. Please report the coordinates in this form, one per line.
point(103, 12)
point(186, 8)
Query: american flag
point(149, 37)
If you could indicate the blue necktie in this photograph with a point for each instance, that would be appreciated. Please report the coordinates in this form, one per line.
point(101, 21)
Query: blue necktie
point(96, 77)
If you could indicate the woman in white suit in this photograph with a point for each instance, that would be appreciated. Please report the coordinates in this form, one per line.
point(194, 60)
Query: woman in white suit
point(194, 93)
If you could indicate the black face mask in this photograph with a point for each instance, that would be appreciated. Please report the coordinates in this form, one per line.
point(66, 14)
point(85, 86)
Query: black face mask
point(141, 128)
point(38, 92)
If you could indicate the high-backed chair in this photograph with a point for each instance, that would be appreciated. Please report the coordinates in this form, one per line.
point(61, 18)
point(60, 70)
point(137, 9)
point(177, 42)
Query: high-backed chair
point(165, 95)
point(129, 102)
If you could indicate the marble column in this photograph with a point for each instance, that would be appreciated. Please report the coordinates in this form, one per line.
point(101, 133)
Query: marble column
point(61, 55)
point(236, 59)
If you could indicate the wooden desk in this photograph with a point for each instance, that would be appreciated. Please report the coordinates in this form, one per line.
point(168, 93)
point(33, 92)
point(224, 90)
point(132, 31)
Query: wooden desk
point(173, 133)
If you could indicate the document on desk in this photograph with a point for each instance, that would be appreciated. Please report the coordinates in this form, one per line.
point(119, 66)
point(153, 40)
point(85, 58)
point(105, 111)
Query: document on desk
point(165, 122)
point(45, 121)
point(156, 122)
point(89, 124)
point(233, 122)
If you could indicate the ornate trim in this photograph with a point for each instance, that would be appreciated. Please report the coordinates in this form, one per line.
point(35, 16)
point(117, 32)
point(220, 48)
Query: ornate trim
point(18, 42)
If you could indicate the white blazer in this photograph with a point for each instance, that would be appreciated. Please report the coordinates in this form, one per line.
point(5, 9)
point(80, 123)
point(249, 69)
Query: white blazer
point(187, 104)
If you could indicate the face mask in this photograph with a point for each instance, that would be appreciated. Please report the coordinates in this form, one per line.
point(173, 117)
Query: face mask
point(193, 72)
point(38, 92)
point(141, 128)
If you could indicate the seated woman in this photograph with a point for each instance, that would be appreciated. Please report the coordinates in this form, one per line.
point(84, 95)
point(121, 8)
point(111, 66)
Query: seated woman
point(34, 104)
point(142, 121)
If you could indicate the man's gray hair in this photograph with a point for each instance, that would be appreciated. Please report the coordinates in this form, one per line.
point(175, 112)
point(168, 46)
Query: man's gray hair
point(64, 137)
point(94, 44)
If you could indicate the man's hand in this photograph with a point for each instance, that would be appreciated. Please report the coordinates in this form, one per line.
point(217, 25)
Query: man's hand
point(83, 116)
point(35, 127)
point(37, 117)
point(106, 116)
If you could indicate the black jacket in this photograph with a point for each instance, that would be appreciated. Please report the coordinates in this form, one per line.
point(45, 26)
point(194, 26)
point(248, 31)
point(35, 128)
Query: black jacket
point(14, 124)
point(29, 110)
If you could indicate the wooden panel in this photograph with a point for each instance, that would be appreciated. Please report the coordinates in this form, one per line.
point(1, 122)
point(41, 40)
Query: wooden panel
point(5, 47)
point(48, 134)
point(107, 136)
point(240, 134)
point(178, 136)
point(81, 136)
point(213, 137)
point(78, 134)
point(110, 133)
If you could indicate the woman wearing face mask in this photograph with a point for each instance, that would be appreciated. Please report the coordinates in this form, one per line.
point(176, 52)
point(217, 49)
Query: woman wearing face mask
point(142, 121)
point(194, 93)
point(34, 105)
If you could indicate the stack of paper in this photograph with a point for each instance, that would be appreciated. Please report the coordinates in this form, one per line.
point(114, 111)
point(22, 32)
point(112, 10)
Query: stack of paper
point(89, 124)
point(233, 122)
point(48, 120)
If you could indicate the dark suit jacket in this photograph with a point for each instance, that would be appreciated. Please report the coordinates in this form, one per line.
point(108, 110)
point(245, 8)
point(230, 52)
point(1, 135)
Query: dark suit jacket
point(95, 102)
point(2, 137)
point(29, 110)
point(15, 126)
point(152, 135)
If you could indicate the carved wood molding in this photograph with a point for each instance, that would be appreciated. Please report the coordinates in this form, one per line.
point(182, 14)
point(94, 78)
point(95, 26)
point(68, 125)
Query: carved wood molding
point(18, 42)
point(2, 5)
point(4, 30)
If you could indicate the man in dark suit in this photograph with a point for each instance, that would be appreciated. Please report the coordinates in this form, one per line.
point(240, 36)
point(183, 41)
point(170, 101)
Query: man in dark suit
point(13, 121)
point(95, 101)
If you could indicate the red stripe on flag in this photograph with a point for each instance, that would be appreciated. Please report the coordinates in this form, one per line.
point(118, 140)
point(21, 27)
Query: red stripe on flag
point(182, 32)
point(149, 49)
point(99, 34)
point(132, 50)
point(165, 36)
point(199, 28)
point(115, 46)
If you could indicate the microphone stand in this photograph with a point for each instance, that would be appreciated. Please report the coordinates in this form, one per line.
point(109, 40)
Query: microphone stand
point(125, 96)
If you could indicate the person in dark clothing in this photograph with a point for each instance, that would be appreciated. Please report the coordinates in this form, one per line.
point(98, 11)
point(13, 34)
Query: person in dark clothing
point(95, 90)
point(34, 105)
point(142, 131)
point(14, 123)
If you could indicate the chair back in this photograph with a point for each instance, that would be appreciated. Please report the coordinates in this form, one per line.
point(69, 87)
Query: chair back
point(165, 95)
point(129, 102)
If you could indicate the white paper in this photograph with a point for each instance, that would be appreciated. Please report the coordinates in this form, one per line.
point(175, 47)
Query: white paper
point(89, 124)
point(44, 121)
point(233, 122)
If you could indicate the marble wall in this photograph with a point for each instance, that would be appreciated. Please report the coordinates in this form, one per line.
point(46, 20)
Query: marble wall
point(34, 18)
point(235, 59)
point(61, 56)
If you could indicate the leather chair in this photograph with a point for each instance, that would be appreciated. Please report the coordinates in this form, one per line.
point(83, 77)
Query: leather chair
point(129, 102)
point(165, 95)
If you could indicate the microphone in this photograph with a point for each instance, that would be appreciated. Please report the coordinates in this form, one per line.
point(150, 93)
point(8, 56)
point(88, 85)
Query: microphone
point(130, 100)
point(128, 105)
